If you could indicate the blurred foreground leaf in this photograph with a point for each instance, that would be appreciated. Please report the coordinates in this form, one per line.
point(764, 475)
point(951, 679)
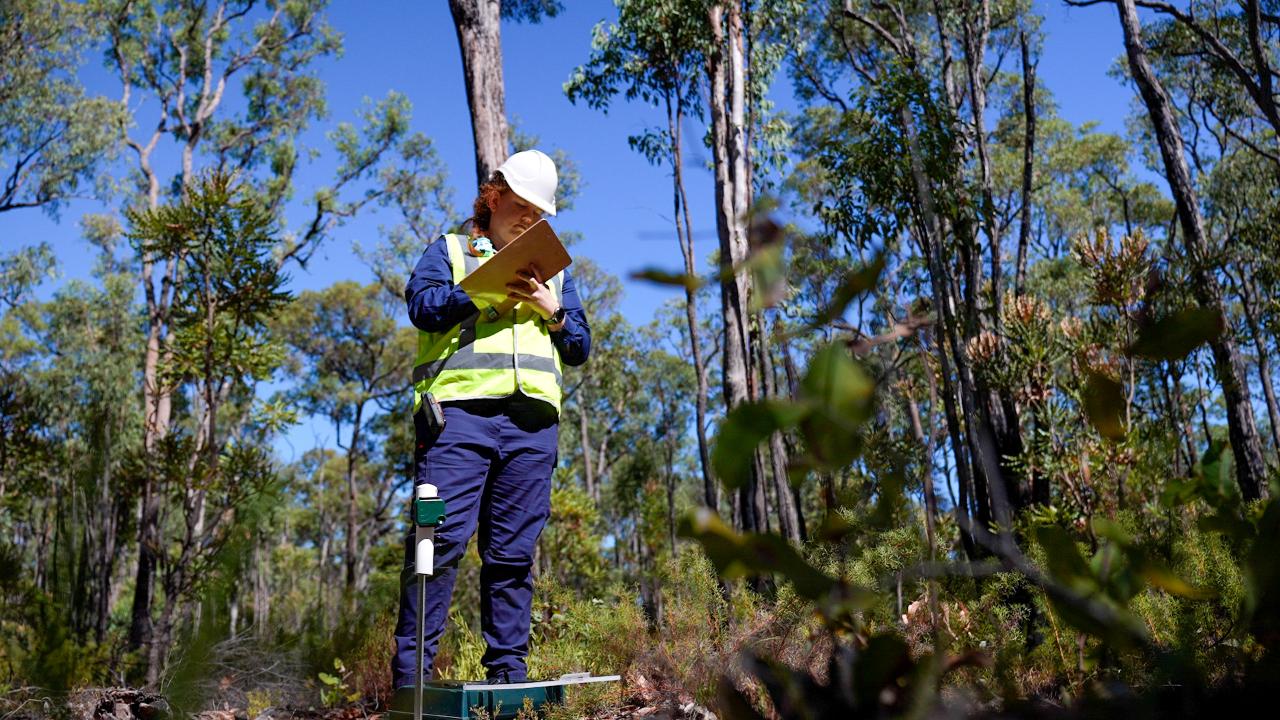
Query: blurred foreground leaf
point(736, 555)
point(1175, 336)
point(855, 282)
point(1104, 404)
point(745, 427)
point(668, 277)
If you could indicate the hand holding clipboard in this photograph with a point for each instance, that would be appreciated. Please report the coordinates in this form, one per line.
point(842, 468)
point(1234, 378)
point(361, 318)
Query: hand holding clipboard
point(536, 249)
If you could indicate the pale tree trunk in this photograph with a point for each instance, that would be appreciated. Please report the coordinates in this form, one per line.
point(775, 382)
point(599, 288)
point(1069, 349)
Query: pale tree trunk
point(975, 45)
point(261, 589)
point(480, 37)
point(684, 232)
point(788, 515)
point(1248, 295)
point(727, 103)
point(587, 449)
point(1250, 470)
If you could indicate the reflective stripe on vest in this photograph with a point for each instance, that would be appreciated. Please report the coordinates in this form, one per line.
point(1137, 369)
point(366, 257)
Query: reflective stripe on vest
point(479, 358)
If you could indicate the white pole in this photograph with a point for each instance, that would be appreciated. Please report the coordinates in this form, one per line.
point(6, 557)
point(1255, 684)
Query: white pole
point(423, 565)
point(425, 538)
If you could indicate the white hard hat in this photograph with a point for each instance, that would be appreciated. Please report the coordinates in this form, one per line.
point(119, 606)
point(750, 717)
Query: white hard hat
point(532, 176)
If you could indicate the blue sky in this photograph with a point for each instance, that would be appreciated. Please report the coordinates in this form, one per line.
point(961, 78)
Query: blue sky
point(624, 208)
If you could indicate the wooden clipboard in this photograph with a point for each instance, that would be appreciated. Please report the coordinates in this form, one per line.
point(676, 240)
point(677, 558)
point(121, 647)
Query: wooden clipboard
point(537, 247)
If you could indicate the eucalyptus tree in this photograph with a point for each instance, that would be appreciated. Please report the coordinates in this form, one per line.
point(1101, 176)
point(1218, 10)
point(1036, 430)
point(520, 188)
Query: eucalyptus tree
point(479, 27)
point(1250, 470)
point(221, 238)
point(898, 97)
point(176, 61)
point(653, 53)
point(53, 138)
point(351, 365)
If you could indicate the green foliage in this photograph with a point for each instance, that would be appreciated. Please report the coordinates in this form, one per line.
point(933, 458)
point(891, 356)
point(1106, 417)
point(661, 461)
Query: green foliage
point(531, 11)
point(579, 632)
point(221, 236)
point(53, 138)
point(570, 543)
point(334, 687)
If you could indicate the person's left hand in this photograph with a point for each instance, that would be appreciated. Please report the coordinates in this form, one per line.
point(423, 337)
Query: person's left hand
point(528, 288)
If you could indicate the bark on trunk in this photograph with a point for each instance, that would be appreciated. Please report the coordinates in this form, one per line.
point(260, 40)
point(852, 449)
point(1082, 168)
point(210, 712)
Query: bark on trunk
point(1248, 295)
point(1028, 165)
point(480, 38)
point(788, 519)
point(584, 436)
point(684, 232)
point(980, 450)
point(727, 99)
point(1250, 471)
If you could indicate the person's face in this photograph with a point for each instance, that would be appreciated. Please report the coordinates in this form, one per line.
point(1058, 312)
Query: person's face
point(512, 215)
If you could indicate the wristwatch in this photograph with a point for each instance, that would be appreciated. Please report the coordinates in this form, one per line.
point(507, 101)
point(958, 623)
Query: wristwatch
point(557, 317)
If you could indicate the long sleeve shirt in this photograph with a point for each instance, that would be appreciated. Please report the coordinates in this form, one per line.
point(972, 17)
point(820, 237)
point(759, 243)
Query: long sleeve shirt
point(436, 304)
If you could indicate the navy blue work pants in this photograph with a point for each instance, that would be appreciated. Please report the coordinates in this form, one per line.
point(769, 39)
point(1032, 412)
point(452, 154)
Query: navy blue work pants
point(492, 465)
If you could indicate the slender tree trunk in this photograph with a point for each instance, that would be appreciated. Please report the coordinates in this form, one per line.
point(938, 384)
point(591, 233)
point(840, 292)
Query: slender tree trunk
point(351, 556)
point(984, 457)
point(157, 408)
point(480, 38)
point(975, 42)
point(926, 474)
point(684, 232)
point(261, 589)
point(1028, 161)
point(584, 436)
point(788, 519)
point(792, 377)
point(727, 100)
point(1250, 470)
point(1248, 297)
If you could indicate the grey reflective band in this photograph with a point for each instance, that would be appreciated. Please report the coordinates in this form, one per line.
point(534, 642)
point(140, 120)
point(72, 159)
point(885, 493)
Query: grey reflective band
point(538, 362)
point(469, 262)
point(484, 361)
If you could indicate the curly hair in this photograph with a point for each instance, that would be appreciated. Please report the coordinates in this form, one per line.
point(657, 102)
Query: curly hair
point(486, 199)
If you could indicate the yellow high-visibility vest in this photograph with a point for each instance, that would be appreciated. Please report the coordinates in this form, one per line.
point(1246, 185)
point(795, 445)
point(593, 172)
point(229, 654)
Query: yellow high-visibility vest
point(488, 358)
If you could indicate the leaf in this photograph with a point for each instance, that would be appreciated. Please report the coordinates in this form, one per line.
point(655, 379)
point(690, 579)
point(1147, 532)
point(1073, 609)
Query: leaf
point(1111, 530)
point(330, 680)
point(1175, 336)
point(1165, 579)
point(1113, 625)
point(745, 555)
point(743, 429)
point(838, 385)
point(668, 277)
point(855, 282)
point(833, 527)
point(1064, 561)
point(1104, 405)
point(1263, 579)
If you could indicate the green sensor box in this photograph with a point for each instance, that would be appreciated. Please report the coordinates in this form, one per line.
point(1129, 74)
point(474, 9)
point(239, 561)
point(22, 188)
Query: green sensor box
point(461, 700)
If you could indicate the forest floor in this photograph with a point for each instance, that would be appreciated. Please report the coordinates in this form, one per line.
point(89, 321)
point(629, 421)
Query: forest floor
point(640, 699)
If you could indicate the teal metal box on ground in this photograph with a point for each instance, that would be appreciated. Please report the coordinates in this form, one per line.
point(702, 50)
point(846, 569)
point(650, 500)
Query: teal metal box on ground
point(460, 700)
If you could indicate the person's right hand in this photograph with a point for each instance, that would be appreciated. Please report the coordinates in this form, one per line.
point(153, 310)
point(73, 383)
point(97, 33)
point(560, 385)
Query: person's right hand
point(528, 288)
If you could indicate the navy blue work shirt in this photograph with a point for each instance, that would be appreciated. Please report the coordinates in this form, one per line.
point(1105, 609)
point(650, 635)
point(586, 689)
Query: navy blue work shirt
point(436, 304)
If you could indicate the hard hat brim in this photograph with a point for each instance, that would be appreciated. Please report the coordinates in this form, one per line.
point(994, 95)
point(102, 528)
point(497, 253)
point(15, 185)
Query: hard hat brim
point(531, 198)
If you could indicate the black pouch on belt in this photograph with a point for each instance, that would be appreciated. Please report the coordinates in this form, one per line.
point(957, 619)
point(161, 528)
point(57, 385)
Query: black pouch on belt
point(430, 415)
